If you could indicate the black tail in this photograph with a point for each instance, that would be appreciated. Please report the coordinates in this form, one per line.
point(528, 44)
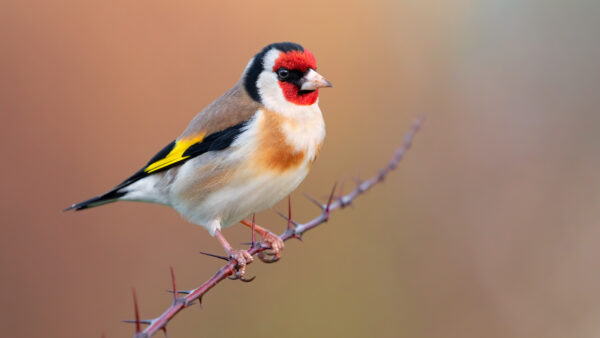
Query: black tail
point(109, 197)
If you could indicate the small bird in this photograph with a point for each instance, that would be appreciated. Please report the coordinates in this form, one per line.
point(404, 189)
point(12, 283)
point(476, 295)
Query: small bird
point(241, 154)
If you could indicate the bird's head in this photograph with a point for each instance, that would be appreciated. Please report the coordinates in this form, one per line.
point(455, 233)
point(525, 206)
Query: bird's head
point(283, 76)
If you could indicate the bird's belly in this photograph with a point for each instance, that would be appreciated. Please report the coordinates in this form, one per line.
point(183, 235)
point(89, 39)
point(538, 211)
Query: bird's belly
point(245, 194)
point(257, 194)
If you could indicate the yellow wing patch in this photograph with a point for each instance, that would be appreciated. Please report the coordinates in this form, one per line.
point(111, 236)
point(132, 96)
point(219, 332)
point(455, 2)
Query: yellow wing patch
point(176, 154)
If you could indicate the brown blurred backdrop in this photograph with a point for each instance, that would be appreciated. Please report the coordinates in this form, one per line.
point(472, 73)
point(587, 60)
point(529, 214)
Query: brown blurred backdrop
point(490, 227)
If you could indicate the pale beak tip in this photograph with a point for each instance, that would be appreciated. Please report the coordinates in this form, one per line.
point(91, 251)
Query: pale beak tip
point(313, 80)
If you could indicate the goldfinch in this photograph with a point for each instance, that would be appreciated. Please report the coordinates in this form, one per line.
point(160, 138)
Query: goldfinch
point(241, 154)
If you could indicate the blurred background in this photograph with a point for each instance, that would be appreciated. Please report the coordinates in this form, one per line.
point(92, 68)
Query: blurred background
point(489, 228)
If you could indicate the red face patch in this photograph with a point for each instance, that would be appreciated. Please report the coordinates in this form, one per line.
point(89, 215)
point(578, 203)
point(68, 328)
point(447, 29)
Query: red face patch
point(302, 61)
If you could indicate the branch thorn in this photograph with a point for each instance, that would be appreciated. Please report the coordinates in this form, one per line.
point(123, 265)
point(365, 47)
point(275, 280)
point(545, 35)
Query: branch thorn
point(215, 256)
point(290, 221)
point(138, 327)
point(330, 200)
point(289, 224)
point(134, 321)
point(175, 293)
point(253, 233)
point(317, 203)
point(183, 292)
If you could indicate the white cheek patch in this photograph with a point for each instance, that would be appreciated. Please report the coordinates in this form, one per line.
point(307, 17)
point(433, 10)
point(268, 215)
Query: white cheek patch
point(268, 84)
point(270, 91)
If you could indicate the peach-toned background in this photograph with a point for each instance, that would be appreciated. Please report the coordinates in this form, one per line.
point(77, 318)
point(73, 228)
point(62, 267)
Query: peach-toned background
point(490, 227)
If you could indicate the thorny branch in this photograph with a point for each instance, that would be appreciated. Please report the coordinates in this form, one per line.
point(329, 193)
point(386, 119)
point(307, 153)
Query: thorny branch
point(294, 230)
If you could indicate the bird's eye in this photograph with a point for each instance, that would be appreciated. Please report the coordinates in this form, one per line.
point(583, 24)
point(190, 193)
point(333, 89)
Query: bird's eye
point(283, 73)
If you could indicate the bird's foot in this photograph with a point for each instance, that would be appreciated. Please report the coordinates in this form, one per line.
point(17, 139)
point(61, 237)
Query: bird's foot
point(241, 259)
point(273, 254)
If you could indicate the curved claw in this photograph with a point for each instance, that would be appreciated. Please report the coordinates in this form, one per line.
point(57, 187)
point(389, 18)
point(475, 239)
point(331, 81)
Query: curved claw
point(247, 280)
point(242, 278)
point(238, 272)
point(275, 244)
point(268, 258)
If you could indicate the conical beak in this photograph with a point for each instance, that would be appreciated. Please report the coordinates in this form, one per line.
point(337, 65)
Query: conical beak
point(313, 80)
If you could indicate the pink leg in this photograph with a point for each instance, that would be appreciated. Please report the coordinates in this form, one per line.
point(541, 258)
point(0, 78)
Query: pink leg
point(241, 257)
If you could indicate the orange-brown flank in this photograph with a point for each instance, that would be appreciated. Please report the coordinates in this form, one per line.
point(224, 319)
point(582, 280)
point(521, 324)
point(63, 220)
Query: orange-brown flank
point(274, 153)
